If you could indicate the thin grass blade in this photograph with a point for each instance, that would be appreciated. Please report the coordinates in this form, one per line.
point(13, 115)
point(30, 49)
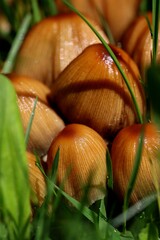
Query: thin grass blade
point(133, 175)
point(109, 170)
point(36, 11)
point(28, 130)
point(50, 7)
point(153, 88)
point(155, 20)
point(9, 63)
point(85, 211)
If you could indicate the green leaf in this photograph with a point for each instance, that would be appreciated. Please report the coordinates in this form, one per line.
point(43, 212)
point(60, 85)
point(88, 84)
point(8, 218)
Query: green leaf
point(14, 184)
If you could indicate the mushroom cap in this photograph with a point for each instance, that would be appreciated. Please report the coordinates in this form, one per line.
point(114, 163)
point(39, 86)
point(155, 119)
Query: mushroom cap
point(82, 162)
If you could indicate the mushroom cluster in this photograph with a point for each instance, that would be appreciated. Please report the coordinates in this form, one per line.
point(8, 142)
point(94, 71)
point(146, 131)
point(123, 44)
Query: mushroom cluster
point(85, 108)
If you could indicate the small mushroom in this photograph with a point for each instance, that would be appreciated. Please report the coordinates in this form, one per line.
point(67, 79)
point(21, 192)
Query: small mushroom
point(82, 162)
point(123, 153)
point(46, 122)
point(138, 42)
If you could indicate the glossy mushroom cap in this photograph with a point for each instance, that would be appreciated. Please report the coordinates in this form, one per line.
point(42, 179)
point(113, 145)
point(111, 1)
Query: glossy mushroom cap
point(92, 91)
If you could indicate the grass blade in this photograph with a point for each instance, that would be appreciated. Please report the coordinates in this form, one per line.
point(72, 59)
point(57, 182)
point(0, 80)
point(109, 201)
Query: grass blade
point(92, 216)
point(55, 167)
point(36, 11)
point(113, 57)
point(14, 182)
point(155, 20)
point(30, 122)
point(133, 175)
point(109, 170)
point(9, 63)
point(88, 213)
point(50, 7)
point(153, 88)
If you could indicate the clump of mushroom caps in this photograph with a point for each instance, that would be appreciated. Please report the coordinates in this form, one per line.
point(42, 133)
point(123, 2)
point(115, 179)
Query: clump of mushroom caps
point(84, 106)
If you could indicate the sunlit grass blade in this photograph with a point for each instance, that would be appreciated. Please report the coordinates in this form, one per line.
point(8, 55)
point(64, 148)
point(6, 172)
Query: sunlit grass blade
point(14, 181)
point(133, 176)
point(36, 11)
point(113, 57)
point(28, 130)
point(9, 63)
point(155, 20)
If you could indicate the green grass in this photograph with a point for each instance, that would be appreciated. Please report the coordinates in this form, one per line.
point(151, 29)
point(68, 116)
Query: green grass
point(55, 218)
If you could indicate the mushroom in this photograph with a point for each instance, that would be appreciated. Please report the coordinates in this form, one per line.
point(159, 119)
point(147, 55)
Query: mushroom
point(137, 41)
point(52, 44)
point(123, 153)
point(46, 122)
point(92, 91)
point(82, 162)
